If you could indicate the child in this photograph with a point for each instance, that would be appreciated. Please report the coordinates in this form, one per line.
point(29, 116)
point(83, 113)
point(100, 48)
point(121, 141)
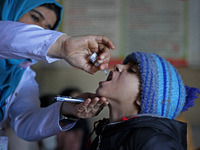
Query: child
point(145, 95)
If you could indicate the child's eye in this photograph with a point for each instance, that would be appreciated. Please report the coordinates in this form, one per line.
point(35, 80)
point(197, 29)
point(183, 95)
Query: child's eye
point(131, 70)
point(35, 18)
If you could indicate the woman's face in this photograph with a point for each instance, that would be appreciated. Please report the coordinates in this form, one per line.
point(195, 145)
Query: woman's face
point(40, 16)
point(122, 84)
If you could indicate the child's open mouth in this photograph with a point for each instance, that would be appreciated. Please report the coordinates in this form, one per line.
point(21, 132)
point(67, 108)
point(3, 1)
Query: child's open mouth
point(109, 78)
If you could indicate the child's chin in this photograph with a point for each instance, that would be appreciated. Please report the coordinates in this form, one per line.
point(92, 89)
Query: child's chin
point(99, 92)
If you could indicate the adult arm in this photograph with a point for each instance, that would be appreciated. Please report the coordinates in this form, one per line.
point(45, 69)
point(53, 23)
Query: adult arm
point(28, 120)
point(18, 40)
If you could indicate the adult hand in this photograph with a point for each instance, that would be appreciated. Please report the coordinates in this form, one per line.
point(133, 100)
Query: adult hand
point(76, 50)
point(89, 108)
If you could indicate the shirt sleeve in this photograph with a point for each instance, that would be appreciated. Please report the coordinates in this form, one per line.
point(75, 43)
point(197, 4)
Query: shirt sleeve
point(27, 118)
point(19, 41)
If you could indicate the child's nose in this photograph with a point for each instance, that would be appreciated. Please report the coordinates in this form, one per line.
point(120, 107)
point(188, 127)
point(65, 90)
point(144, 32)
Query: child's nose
point(118, 67)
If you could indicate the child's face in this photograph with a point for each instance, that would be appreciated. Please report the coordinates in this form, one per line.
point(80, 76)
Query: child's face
point(122, 84)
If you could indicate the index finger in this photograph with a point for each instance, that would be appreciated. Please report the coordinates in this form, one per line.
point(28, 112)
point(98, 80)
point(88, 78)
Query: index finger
point(104, 40)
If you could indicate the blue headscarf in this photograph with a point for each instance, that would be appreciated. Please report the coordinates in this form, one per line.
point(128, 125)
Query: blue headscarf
point(14, 9)
point(11, 70)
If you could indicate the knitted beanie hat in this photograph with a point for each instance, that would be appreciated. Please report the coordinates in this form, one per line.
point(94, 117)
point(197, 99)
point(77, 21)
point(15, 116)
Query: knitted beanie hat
point(162, 89)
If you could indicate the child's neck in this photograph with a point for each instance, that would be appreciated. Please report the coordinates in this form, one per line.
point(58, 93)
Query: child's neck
point(117, 113)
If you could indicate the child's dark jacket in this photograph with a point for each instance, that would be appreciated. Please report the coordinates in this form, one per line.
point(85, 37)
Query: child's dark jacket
point(141, 133)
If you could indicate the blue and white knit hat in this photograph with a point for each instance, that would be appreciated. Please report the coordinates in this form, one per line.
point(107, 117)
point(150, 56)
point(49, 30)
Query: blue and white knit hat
point(162, 89)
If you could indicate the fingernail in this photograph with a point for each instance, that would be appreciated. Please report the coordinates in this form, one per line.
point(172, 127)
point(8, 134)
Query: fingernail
point(102, 57)
point(100, 61)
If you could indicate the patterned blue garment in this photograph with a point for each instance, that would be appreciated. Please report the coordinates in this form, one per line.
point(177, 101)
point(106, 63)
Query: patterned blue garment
point(11, 70)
